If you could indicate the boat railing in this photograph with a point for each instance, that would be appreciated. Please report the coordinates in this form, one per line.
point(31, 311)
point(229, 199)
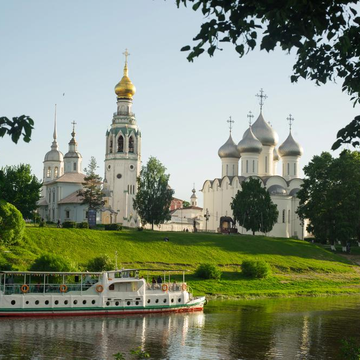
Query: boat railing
point(169, 286)
point(42, 289)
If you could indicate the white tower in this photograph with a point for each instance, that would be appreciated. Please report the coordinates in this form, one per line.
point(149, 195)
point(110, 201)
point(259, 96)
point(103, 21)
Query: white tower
point(193, 197)
point(73, 159)
point(53, 160)
point(250, 148)
point(290, 152)
point(123, 155)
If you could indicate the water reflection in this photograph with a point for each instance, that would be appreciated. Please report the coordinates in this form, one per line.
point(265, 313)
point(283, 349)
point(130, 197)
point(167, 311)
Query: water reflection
point(270, 329)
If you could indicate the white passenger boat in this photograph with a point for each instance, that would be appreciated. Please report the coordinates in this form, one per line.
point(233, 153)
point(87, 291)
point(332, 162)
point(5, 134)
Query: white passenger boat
point(35, 293)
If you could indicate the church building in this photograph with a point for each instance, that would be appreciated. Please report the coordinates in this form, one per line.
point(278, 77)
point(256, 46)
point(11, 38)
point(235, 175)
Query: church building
point(62, 178)
point(258, 156)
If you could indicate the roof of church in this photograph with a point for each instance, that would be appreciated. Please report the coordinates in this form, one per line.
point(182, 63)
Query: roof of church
point(71, 199)
point(70, 178)
point(42, 202)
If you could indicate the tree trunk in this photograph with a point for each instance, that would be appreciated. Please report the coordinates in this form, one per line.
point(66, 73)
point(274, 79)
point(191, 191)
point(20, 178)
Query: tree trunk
point(152, 226)
point(253, 233)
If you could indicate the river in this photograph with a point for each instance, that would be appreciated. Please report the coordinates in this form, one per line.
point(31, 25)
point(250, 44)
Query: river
point(307, 328)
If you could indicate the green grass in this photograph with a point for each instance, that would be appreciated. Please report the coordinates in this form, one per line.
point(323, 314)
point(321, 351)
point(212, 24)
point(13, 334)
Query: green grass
point(299, 268)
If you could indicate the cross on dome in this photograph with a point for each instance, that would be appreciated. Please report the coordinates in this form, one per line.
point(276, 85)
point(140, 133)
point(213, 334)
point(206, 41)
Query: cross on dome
point(290, 119)
point(250, 116)
point(126, 53)
point(73, 124)
point(262, 98)
point(230, 121)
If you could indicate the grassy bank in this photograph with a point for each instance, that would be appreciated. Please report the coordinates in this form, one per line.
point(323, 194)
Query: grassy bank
point(299, 268)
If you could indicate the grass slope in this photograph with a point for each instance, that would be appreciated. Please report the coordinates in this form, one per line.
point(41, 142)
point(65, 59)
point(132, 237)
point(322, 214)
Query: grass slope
point(299, 268)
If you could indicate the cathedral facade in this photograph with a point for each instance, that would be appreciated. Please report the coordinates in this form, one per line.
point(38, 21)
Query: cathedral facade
point(257, 155)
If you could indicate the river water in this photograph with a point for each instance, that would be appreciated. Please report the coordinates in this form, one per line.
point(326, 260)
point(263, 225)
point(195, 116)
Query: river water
point(309, 328)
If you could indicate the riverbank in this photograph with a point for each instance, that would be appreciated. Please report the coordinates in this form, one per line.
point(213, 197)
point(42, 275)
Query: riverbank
point(299, 268)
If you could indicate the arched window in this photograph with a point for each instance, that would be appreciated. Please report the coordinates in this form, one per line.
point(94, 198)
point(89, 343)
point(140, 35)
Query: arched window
point(289, 216)
point(111, 146)
point(227, 169)
point(120, 144)
point(295, 169)
point(247, 166)
point(283, 216)
point(48, 172)
point(56, 172)
point(131, 144)
point(253, 166)
point(74, 166)
point(288, 169)
point(233, 173)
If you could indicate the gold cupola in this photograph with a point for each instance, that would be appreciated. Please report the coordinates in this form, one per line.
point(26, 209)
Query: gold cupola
point(125, 88)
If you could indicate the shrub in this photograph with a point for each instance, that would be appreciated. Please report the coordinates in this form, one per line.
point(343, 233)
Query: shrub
point(42, 223)
point(255, 269)
point(51, 262)
point(115, 227)
point(101, 263)
point(82, 225)
point(5, 265)
point(12, 224)
point(208, 271)
point(69, 224)
point(140, 228)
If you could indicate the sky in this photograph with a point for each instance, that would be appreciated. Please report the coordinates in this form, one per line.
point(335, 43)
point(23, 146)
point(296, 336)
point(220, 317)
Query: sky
point(76, 47)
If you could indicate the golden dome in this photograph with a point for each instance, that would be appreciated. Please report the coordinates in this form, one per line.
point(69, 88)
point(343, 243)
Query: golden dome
point(125, 88)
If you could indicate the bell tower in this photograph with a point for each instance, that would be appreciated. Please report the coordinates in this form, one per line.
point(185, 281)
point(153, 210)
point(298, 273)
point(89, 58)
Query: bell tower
point(122, 156)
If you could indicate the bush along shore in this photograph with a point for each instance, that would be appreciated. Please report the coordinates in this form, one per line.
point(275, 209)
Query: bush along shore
point(249, 266)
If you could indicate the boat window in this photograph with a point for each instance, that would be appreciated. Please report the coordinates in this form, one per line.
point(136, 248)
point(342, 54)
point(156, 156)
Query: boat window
point(65, 302)
point(112, 287)
point(84, 302)
point(148, 301)
point(172, 300)
point(75, 302)
point(179, 300)
point(56, 302)
point(128, 303)
point(107, 303)
point(117, 303)
point(164, 301)
point(13, 302)
point(37, 302)
point(157, 300)
point(46, 302)
point(136, 303)
point(93, 302)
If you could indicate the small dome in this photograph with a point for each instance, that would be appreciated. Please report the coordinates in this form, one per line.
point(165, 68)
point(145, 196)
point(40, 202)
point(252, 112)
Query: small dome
point(275, 154)
point(290, 147)
point(125, 88)
point(229, 149)
point(276, 190)
point(54, 155)
point(294, 192)
point(72, 154)
point(264, 132)
point(249, 143)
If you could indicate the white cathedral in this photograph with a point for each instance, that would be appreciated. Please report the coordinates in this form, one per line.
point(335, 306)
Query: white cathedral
point(258, 157)
point(63, 176)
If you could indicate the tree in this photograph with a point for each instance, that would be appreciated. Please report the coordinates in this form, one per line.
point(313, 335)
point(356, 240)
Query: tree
point(22, 125)
point(92, 194)
point(20, 188)
point(153, 199)
point(12, 224)
point(101, 263)
point(185, 204)
point(253, 208)
point(329, 197)
point(51, 262)
point(324, 34)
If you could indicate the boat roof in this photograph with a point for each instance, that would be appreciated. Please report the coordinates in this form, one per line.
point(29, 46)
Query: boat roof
point(61, 273)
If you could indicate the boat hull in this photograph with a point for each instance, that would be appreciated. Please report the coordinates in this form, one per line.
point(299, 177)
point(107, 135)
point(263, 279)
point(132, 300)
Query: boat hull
point(193, 306)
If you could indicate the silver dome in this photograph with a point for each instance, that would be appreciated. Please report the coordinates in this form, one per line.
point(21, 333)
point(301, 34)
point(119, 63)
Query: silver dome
point(54, 155)
point(275, 154)
point(290, 147)
point(264, 132)
point(229, 149)
point(72, 154)
point(294, 192)
point(276, 190)
point(249, 143)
